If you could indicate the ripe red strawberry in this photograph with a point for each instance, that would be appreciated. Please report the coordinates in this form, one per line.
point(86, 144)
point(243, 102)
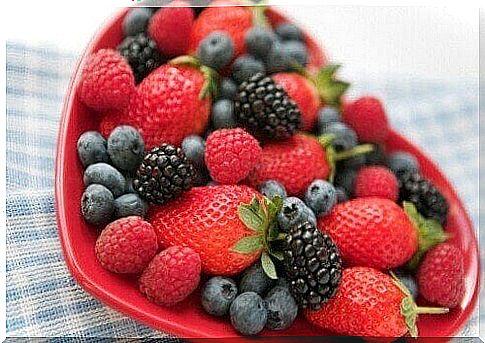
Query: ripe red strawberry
point(171, 27)
point(206, 220)
point(368, 118)
point(372, 232)
point(167, 106)
point(107, 81)
point(233, 20)
point(376, 181)
point(441, 278)
point(126, 245)
point(295, 163)
point(369, 303)
point(305, 95)
point(171, 276)
point(230, 154)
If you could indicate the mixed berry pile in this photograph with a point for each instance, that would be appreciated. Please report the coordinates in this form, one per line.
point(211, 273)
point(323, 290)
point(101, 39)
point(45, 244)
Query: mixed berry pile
point(220, 153)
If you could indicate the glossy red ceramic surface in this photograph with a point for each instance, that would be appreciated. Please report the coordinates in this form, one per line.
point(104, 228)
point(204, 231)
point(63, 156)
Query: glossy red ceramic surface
point(187, 319)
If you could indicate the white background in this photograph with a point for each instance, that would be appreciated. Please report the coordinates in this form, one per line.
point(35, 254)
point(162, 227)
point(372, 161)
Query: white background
point(371, 41)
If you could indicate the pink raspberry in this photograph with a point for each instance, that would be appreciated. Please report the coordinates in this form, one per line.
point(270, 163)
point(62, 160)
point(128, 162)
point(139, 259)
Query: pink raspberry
point(107, 81)
point(126, 245)
point(171, 276)
point(367, 117)
point(376, 181)
point(170, 27)
point(230, 154)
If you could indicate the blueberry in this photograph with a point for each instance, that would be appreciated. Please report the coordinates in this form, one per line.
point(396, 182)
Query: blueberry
point(136, 21)
point(129, 185)
point(91, 148)
point(271, 188)
point(126, 147)
point(294, 211)
point(401, 161)
point(409, 281)
point(246, 66)
point(341, 194)
point(282, 282)
point(345, 179)
point(376, 156)
point(278, 59)
point(130, 205)
point(282, 308)
point(106, 175)
point(327, 115)
point(297, 52)
point(321, 197)
point(354, 162)
point(97, 204)
point(216, 50)
point(218, 294)
point(288, 31)
point(259, 41)
point(222, 115)
point(345, 137)
point(194, 148)
point(248, 313)
point(227, 89)
point(254, 279)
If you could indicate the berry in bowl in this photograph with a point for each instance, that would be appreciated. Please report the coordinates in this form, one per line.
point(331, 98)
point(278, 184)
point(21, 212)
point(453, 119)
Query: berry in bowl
point(214, 181)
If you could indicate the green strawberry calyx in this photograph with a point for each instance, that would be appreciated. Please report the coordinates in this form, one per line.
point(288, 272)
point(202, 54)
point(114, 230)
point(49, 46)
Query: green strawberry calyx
point(259, 16)
point(329, 88)
point(260, 217)
point(334, 156)
point(410, 311)
point(211, 77)
point(430, 233)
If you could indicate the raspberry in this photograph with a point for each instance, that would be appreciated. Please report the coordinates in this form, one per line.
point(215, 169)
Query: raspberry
point(376, 181)
point(170, 27)
point(110, 120)
point(441, 278)
point(126, 245)
point(171, 276)
point(230, 155)
point(107, 81)
point(368, 118)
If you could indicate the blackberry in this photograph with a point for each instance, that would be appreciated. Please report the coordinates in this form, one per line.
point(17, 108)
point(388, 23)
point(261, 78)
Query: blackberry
point(264, 108)
point(163, 174)
point(313, 265)
point(423, 194)
point(142, 54)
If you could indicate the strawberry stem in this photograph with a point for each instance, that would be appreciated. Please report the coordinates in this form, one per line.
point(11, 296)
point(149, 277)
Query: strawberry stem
point(355, 151)
point(432, 310)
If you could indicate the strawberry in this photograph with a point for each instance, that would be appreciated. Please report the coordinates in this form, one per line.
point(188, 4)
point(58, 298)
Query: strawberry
point(169, 104)
point(441, 276)
point(171, 26)
point(370, 303)
point(224, 16)
point(373, 232)
point(206, 220)
point(295, 163)
point(303, 93)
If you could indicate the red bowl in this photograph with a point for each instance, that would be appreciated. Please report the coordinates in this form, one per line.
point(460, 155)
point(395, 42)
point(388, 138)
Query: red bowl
point(188, 319)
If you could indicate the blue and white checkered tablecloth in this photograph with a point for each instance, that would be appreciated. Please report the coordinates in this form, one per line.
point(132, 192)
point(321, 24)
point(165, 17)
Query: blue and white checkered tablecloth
point(43, 300)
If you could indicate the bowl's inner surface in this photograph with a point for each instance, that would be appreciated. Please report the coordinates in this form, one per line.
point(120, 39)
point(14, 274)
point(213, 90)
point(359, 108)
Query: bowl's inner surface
point(187, 319)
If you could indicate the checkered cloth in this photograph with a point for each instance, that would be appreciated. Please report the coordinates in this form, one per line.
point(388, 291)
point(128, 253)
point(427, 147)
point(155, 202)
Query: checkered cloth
point(43, 300)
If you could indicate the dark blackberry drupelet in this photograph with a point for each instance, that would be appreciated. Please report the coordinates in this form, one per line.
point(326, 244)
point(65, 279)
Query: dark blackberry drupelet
point(423, 194)
point(313, 265)
point(163, 174)
point(264, 108)
point(142, 54)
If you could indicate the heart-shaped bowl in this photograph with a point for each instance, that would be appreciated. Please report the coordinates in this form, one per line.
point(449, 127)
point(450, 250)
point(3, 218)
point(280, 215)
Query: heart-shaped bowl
point(187, 319)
